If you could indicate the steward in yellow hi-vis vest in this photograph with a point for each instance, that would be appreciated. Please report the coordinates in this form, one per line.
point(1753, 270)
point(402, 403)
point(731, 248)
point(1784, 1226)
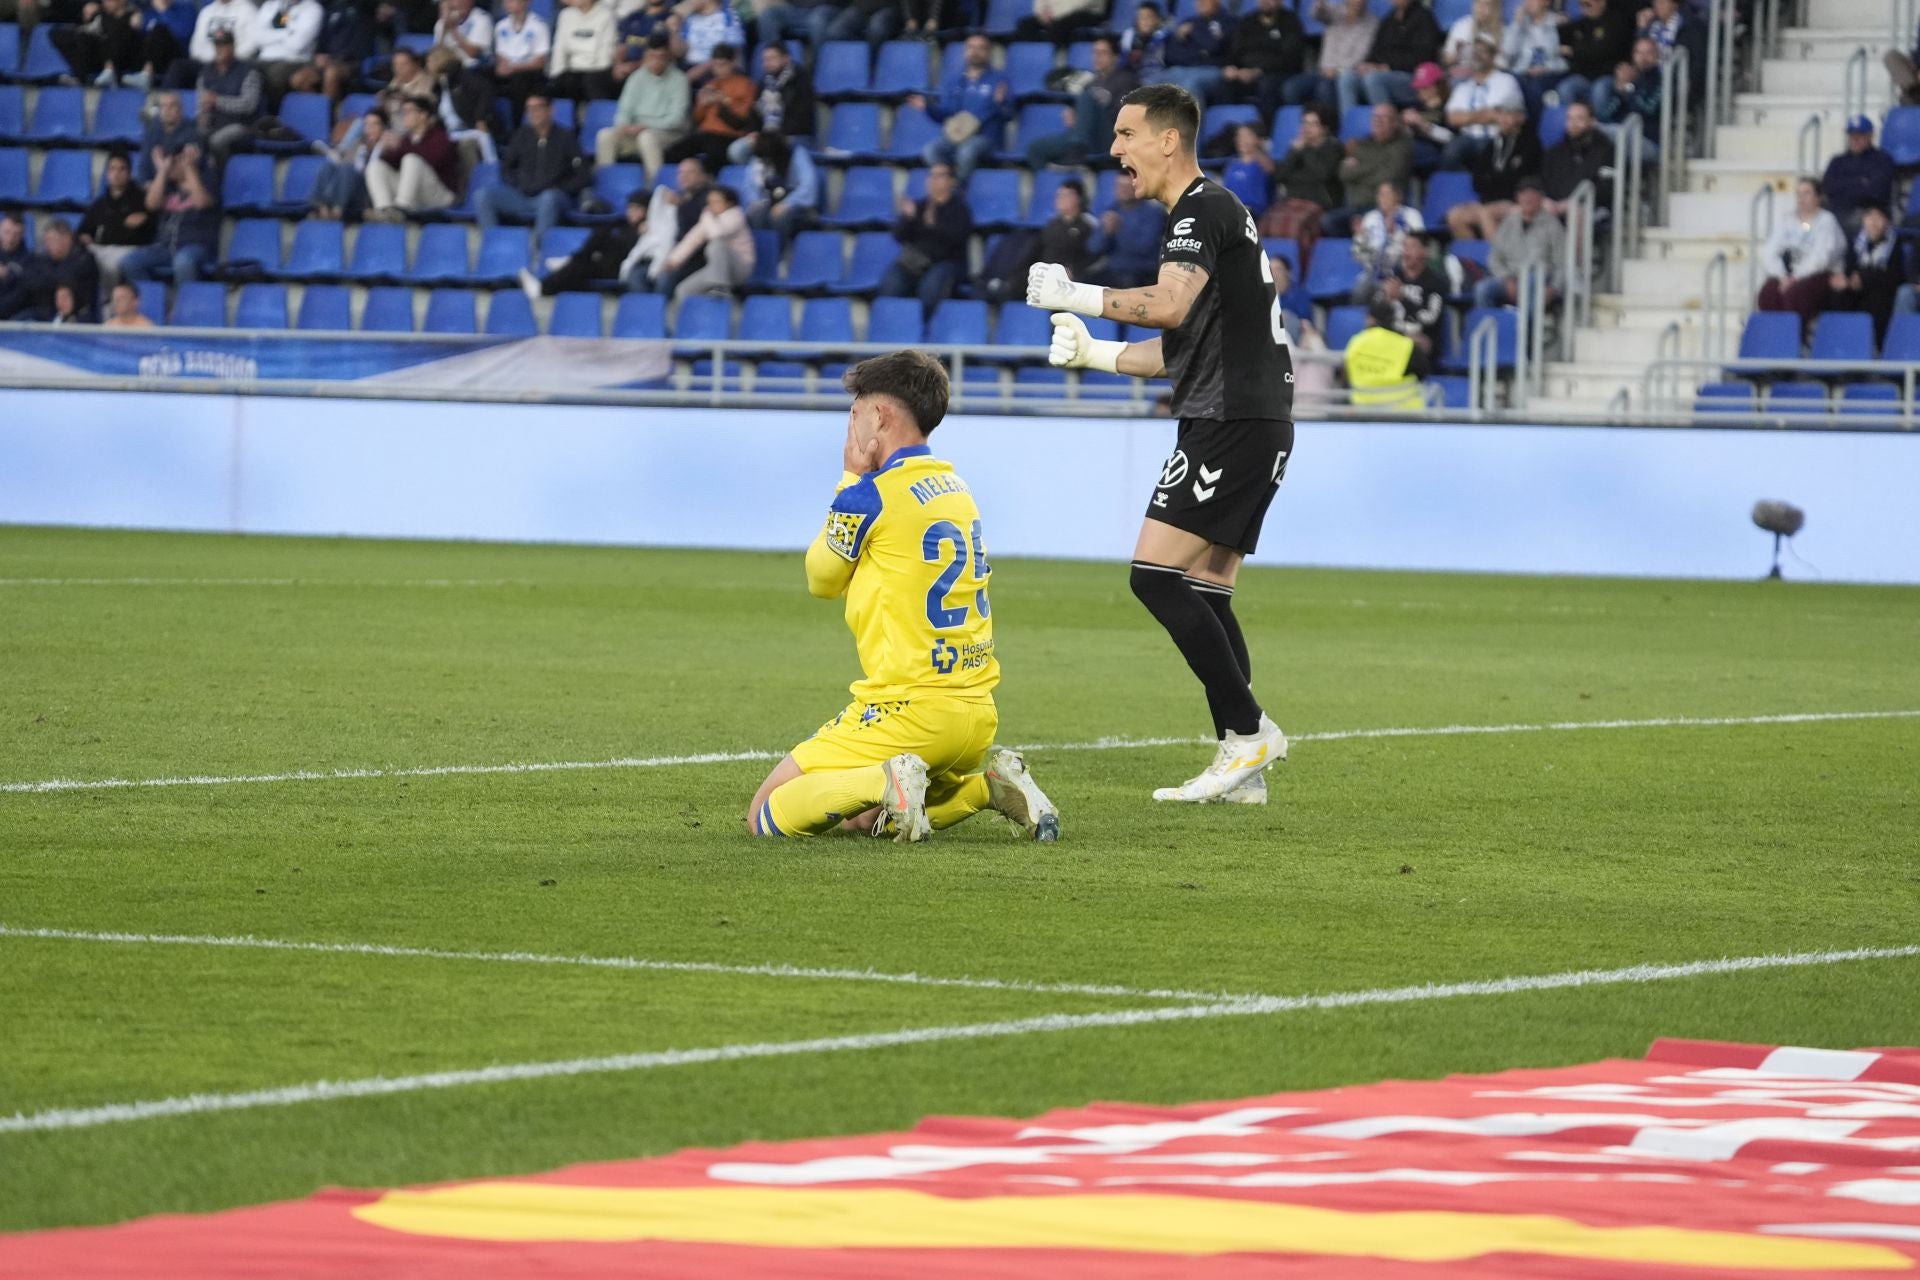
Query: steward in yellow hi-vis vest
point(905, 544)
point(1384, 366)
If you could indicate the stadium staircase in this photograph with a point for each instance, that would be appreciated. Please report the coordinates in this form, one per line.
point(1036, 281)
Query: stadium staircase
point(1662, 306)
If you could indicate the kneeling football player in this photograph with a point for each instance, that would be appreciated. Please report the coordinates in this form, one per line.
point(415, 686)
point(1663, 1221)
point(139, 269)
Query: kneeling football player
point(914, 750)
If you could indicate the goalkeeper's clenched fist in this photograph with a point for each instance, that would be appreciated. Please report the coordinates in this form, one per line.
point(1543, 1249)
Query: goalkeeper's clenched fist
point(1049, 289)
point(1074, 348)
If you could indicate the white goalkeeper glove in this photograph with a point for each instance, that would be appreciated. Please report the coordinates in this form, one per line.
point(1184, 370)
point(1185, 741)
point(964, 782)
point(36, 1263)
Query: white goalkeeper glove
point(1049, 289)
point(1074, 348)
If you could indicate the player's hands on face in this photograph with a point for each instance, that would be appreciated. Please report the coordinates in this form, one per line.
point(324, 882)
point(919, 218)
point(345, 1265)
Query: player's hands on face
point(860, 457)
point(1072, 344)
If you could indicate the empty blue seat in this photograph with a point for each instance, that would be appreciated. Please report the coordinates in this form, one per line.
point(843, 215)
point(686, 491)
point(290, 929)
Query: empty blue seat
point(482, 177)
point(441, 253)
point(1771, 335)
point(42, 63)
point(1103, 191)
point(1029, 62)
point(866, 200)
point(1286, 127)
point(826, 320)
point(1445, 189)
point(451, 311)
point(1219, 119)
point(200, 305)
point(1506, 330)
point(1900, 136)
point(1553, 126)
point(766, 262)
point(853, 132)
point(640, 315)
point(1332, 273)
point(1870, 398)
point(815, 263)
point(873, 253)
point(247, 186)
point(58, 116)
point(261, 306)
point(615, 182)
point(116, 117)
point(1797, 397)
point(318, 252)
point(958, 321)
point(562, 242)
point(379, 253)
point(896, 320)
point(1843, 335)
point(1342, 324)
point(1028, 328)
point(1903, 338)
point(9, 48)
point(355, 105)
point(510, 315)
point(901, 69)
point(1046, 183)
point(325, 307)
point(389, 309)
point(841, 70)
point(1033, 375)
point(13, 110)
point(254, 246)
point(1453, 391)
point(1724, 397)
point(1249, 182)
point(767, 318)
point(994, 196)
point(704, 319)
point(1356, 123)
point(779, 375)
point(1474, 251)
point(308, 114)
point(575, 315)
point(503, 253)
point(1036, 120)
point(66, 180)
point(600, 114)
point(296, 184)
point(913, 129)
point(1004, 15)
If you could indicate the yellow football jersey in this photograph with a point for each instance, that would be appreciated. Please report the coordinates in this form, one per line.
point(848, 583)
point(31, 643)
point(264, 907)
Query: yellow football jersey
point(905, 546)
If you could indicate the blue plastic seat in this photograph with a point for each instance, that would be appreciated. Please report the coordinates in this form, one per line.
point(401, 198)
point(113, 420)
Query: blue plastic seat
point(1219, 119)
point(841, 70)
point(614, 183)
point(318, 252)
point(1356, 123)
point(1031, 376)
point(451, 311)
point(1474, 251)
point(600, 114)
point(1900, 136)
point(482, 177)
point(247, 186)
point(66, 181)
point(1288, 250)
point(355, 105)
point(325, 307)
point(900, 69)
point(379, 253)
point(765, 275)
point(308, 114)
point(1843, 335)
point(575, 315)
point(503, 253)
point(1249, 182)
point(896, 320)
point(826, 320)
point(1903, 338)
point(116, 117)
point(42, 63)
point(1445, 189)
point(1553, 126)
point(1333, 272)
point(873, 253)
point(1724, 397)
point(261, 306)
point(297, 177)
point(1036, 120)
point(254, 246)
point(441, 254)
point(767, 318)
point(783, 375)
point(703, 319)
point(200, 305)
point(815, 262)
point(562, 242)
point(913, 129)
point(58, 116)
point(1040, 197)
point(1028, 328)
point(1003, 16)
point(853, 132)
point(1286, 127)
point(994, 196)
point(1880, 398)
point(1453, 358)
point(640, 315)
point(958, 320)
point(9, 48)
point(1797, 397)
point(1771, 335)
point(389, 309)
point(866, 200)
point(1453, 391)
point(13, 110)
point(1029, 63)
point(510, 315)
point(153, 300)
point(1342, 324)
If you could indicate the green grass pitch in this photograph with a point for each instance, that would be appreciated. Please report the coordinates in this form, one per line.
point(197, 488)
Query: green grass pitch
point(1382, 862)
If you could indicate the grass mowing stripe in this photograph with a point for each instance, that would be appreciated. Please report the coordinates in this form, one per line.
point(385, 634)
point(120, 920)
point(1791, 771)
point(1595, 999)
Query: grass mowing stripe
point(1097, 744)
point(623, 962)
point(378, 1086)
point(266, 582)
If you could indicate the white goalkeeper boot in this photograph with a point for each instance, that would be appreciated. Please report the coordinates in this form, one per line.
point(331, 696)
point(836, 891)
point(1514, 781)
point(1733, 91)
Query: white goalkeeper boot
point(904, 807)
point(1240, 757)
point(1015, 795)
point(1251, 791)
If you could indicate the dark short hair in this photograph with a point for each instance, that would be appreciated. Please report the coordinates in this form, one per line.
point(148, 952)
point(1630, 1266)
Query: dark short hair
point(121, 156)
point(422, 103)
point(56, 226)
point(726, 51)
point(914, 378)
point(726, 193)
point(1819, 188)
point(380, 114)
point(1076, 186)
point(12, 215)
point(1112, 42)
point(543, 96)
point(1168, 106)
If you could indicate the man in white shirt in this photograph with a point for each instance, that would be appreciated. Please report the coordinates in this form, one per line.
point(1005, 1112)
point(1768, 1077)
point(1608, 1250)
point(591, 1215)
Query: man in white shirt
point(464, 31)
point(581, 65)
point(522, 43)
point(1474, 107)
point(285, 33)
point(1806, 248)
point(236, 16)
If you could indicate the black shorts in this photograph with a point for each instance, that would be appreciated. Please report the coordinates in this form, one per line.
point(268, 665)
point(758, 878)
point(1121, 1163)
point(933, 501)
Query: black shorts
point(1222, 477)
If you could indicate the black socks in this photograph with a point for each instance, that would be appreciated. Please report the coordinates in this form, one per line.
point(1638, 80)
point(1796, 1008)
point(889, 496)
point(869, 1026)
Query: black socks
point(1220, 599)
point(1208, 637)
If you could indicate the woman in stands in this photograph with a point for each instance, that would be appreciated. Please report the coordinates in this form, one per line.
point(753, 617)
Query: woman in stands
point(1806, 250)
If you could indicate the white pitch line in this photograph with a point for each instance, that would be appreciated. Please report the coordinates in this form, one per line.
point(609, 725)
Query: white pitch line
point(1097, 744)
point(266, 582)
point(620, 962)
point(379, 1086)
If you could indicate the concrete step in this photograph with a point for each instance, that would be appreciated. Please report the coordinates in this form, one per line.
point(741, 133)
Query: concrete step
point(1591, 382)
point(1832, 42)
point(1836, 15)
point(1676, 282)
point(1666, 245)
point(1716, 212)
point(1788, 111)
point(1551, 408)
point(1768, 144)
point(1817, 75)
point(1741, 177)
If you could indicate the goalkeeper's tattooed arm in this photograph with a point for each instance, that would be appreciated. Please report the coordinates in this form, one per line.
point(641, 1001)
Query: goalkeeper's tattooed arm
point(1142, 360)
point(1161, 305)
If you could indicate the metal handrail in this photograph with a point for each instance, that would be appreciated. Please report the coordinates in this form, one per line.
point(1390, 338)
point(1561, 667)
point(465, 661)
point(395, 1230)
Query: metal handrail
point(1535, 336)
point(1757, 236)
point(1527, 315)
point(1719, 71)
point(1673, 130)
point(1483, 353)
point(1855, 100)
point(1665, 351)
point(1713, 307)
point(1576, 289)
point(1811, 157)
point(1628, 160)
point(1903, 23)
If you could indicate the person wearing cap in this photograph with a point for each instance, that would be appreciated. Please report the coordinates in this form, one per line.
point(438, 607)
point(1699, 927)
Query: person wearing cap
point(231, 97)
point(1859, 176)
point(1385, 366)
point(1875, 270)
point(599, 258)
point(1528, 236)
point(1426, 119)
point(1474, 107)
point(1805, 251)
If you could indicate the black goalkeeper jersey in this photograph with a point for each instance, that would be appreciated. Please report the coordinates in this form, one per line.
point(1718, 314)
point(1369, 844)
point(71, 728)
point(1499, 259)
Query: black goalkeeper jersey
point(1229, 358)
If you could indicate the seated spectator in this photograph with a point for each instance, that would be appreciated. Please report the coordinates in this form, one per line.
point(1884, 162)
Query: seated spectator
point(465, 99)
point(1380, 238)
point(783, 187)
point(542, 174)
point(1632, 97)
point(1806, 250)
point(1406, 37)
point(522, 46)
point(1295, 301)
point(1417, 290)
point(1132, 231)
point(1594, 44)
point(346, 42)
point(1584, 155)
point(875, 21)
point(1350, 29)
point(933, 242)
point(706, 26)
point(1143, 46)
point(231, 99)
point(652, 115)
point(1875, 268)
point(416, 167)
point(1528, 236)
point(971, 109)
point(118, 222)
point(1268, 48)
point(123, 309)
point(1384, 366)
point(722, 233)
point(169, 30)
point(1309, 178)
point(1497, 172)
point(1483, 19)
point(1090, 119)
point(1249, 174)
point(186, 235)
point(1861, 175)
point(166, 131)
point(340, 188)
point(16, 290)
point(722, 111)
point(638, 25)
point(1071, 237)
point(1475, 105)
point(784, 103)
point(1426, 120)
point(465, 31)
point(671, 216)
point(806, 20)
point(110, 41)
point(926, 17)
point(1531, 51)
point(602, 257)
point(1900, 66)
point(234, 16)
point(61, 264)
point(285, 35)
point(1196, 50)
point(1060, 20)
point(581, 65)
point(1384, 155)
point(1670, 27)
point(408, 78)
point(65, 308)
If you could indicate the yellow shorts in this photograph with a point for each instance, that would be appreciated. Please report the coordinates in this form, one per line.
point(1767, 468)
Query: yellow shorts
point(951, 734)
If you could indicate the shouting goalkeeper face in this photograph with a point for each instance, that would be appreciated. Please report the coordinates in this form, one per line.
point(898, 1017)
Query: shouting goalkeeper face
point(1153, 143)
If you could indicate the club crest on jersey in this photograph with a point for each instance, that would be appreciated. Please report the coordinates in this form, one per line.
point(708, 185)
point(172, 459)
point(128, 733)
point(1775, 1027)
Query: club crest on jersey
point(945, 657)
point(1174, 470)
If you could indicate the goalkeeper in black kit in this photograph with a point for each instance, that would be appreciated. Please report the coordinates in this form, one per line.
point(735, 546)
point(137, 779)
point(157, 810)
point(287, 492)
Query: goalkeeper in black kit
point(1226, 352)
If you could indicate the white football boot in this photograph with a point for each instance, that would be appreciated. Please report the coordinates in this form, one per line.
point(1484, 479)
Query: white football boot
point(904, 807)
point(1015, 795)
point(1240, 757)
point(1250, 791)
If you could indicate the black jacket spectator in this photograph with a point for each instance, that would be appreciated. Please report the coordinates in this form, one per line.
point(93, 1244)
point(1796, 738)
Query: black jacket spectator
point(1271, 43)
point(1073, 242)
point(1406, 38)
point(1572, 161)
point(105, 221)
point(1597, 42)
point(1856, 179)
point(237, 95)
point(532, 164)
point(941, 237)
point(74, 268)
point(785, 101)
point(1313, 173)
point(1498, 169)
point(346, 33)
